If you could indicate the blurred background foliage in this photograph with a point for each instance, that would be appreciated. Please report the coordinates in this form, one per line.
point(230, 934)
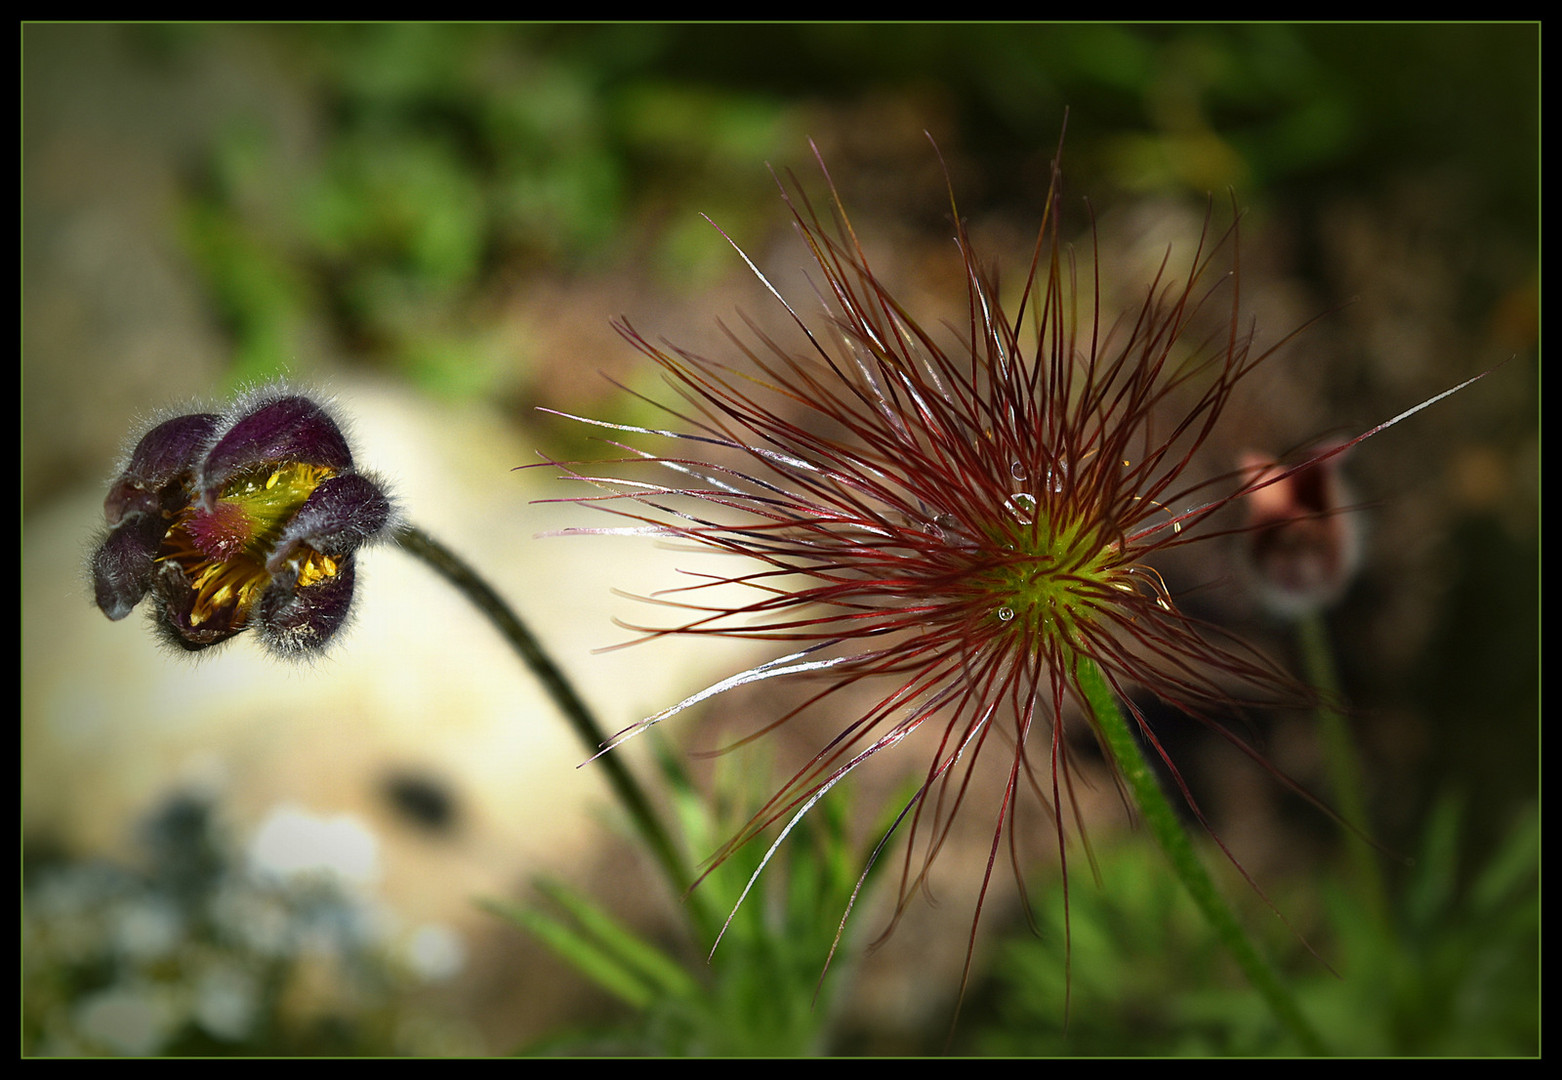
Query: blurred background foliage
point(463, 207)
point(441, 165)
point(1453, 969)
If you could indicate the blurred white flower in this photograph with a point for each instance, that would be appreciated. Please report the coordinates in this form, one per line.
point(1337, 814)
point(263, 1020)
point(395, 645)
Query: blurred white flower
point(435, 952)
point(292, 842)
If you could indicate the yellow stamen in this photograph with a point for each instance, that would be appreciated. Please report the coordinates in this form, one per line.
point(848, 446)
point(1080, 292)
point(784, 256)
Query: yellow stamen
point(268, 501)
point(316, 568)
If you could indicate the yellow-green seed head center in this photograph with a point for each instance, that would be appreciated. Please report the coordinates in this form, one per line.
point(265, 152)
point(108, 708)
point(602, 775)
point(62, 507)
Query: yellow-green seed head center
point(1050, 576)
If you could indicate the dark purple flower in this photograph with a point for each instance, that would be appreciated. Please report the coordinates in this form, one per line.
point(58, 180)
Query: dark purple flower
point(248, 517)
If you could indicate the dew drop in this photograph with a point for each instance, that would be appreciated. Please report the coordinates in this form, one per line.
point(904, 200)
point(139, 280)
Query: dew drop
point(950, 530)
point(1017, 470)
point(1005, 614)
point(1023, 507)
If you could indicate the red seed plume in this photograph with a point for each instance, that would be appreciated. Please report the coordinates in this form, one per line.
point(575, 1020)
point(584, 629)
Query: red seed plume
point(953, 518)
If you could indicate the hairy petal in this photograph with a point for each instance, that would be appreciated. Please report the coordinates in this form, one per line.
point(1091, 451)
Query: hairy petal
point(292, 429)
point(295, 621)
point(123, 565)
point(340, 515)
point(164, 454)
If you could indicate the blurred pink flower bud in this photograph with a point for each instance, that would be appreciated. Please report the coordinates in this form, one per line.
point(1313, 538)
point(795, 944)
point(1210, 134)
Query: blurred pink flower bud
point(1303, 542)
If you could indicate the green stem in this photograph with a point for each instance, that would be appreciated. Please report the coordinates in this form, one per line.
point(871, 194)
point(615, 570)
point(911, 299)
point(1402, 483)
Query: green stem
point(1344, 767)
point(1159, 815)
point(470, 584)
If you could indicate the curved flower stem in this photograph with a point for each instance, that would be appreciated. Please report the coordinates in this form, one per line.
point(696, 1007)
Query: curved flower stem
point(1344, 767)
point(471, 585)
point(1158, 813)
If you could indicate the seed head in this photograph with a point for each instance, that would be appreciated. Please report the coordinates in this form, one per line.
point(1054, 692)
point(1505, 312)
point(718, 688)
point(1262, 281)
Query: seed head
point(957, 520)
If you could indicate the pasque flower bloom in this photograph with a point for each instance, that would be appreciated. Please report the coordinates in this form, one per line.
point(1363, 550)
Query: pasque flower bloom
point(957, 519)
point(246, 518)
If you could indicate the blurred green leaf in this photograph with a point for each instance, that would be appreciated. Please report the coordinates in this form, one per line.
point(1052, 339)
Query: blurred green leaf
point(1456, 974)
